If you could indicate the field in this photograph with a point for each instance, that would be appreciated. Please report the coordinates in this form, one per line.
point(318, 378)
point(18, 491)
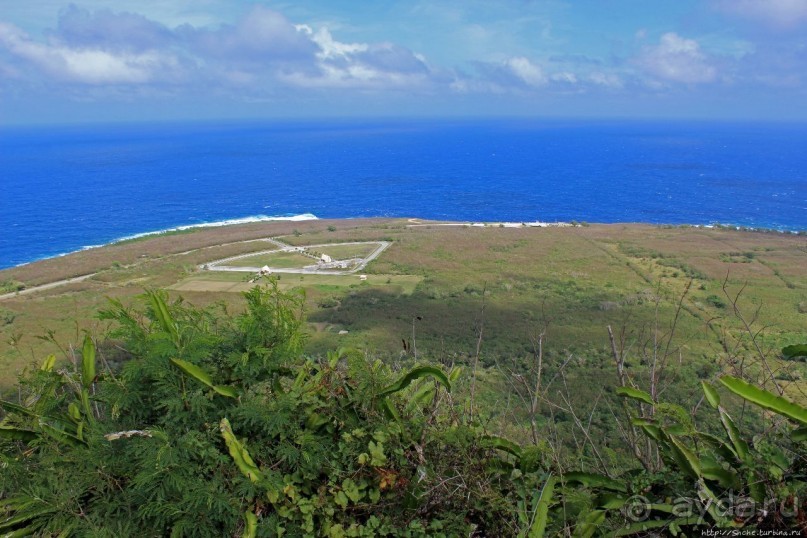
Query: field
point(440, 285)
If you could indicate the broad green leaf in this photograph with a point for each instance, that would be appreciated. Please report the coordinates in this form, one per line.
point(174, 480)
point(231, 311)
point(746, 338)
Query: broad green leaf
point(538, 526)
point(723, 449)
point(60, 435)
point(756, 487)
point(711, 394)
point(637, 528)
point(799, 434)
point(740, 446)
point(589, 524)
point(494, 441)
point(225, 390)
point(203, 377)
point(15, 408)
point(610, 501)
point(636, 394)
point(594, 480)
point(352, 490)
point(251, 527)
point(49, 362)
point(315, 420)
point(16, 434)
point(796, 351)
point(163, 315)
point(87, 362)
point(24, 517)
point(417, 373)
point(765, 399)
point(726, 479)
point(685, 459)
point(239, 452)
point(424, 395)
point(388, 409)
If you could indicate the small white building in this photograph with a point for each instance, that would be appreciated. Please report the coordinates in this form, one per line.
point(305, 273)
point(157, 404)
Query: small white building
point(362, 277)
point(265, 270)
point(325, 258)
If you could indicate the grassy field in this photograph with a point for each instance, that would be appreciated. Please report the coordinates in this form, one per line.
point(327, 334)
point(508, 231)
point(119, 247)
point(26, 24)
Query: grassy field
point(346, 252)
point(278, 259)
point(441, 284)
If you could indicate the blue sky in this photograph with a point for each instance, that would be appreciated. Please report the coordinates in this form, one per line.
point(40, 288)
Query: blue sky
point(202, 59)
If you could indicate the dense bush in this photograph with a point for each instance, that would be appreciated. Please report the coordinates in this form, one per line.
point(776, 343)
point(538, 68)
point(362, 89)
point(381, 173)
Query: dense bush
point(216, 425)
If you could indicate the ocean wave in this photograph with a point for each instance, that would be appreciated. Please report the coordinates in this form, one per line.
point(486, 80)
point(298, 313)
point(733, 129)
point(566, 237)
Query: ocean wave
point(217, 223)
point(226, 222)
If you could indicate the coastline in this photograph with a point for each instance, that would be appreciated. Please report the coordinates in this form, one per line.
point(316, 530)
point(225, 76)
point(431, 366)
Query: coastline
point(412, 222)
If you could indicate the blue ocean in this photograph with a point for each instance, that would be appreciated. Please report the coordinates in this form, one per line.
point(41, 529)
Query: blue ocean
point(66, 188)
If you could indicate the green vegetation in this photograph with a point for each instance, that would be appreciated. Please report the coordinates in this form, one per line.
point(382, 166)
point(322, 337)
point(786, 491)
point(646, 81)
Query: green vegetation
point(280, 259)
point(10, 286)
point(188, 421)
point(348, 251)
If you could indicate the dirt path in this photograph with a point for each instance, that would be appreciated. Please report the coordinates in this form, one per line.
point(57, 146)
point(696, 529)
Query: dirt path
point(47, 286)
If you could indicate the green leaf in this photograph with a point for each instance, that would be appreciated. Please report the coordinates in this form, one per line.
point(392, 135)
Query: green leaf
point(799, 434)
point(239, 453)
point(765, 399)
point(711, 394)
point(49, 362)
point(204, 378)
point(640, 526)
point(589, 524)
point(610, 501)
point(15, 408)
point(538, 526)
point(163, 315)
point(636, 394)
point(740, 446)
point(685, 459)
point(593, 480)
point(61, 436)
point(796, 351)
point(352, 490)
point(224, 390)
point(500, 443)
point(88, 362)
point(424, 395)
point(17, 434)
point(417, 373)
point(726, 479)
point(251, 527)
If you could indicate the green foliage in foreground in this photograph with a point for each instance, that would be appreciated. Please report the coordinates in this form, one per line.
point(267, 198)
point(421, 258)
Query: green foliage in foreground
point(218, 426)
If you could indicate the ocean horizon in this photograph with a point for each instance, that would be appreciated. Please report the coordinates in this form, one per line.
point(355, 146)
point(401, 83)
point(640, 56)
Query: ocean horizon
point(66, 188)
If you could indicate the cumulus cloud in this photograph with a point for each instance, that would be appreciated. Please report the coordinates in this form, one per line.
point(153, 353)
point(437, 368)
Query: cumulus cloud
point(84, 65)
point(777, 13)
point(678, 60)
point(260, 53)
point(526, 71)
point(109, 31)
point(361, 65)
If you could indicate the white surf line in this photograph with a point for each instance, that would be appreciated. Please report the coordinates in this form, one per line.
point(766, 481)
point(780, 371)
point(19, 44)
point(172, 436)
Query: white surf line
point(497, 224)
point(47, 286)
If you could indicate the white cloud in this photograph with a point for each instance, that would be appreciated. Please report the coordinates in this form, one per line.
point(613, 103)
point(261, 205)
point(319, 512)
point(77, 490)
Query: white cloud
point(84, 65)
point(261, 53)
point(608, 80)
point(677, 59)
point(526, 71)
point(777, 13)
